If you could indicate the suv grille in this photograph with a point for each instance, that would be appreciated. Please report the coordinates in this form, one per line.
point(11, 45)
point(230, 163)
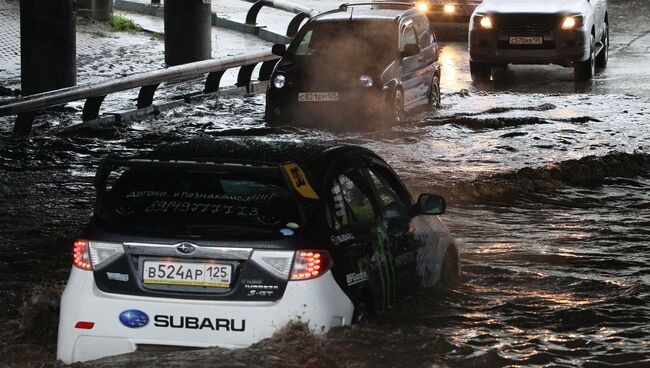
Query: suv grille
point(523, 24)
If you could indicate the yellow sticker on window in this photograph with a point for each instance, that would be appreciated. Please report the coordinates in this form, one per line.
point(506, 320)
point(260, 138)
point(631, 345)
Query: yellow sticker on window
point(299, 181)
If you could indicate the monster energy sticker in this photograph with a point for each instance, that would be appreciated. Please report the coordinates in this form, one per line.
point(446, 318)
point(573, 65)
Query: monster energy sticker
point(384, 260)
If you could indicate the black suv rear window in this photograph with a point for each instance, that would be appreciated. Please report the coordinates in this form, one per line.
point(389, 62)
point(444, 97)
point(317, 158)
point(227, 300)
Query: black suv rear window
point(351, 41)
point(201, 203)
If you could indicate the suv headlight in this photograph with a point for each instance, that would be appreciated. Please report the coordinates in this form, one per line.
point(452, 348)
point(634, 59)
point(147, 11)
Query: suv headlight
point(572, 22)
point(279, 81)
point(366, 81)
point(484, 22)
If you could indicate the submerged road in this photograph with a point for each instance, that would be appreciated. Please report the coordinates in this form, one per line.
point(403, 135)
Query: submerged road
point(549, 191)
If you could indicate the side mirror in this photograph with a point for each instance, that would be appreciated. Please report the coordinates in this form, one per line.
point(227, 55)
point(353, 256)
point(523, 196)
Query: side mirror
point(279, 49)
point(430, 204)
point(410, 49)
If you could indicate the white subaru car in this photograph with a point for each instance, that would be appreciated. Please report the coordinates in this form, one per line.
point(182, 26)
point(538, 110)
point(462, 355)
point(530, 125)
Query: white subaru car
point(221, 243)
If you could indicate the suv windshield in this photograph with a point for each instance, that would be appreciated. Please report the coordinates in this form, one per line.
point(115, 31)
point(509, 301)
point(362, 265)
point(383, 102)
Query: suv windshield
point(200, 203)
point(374, 41)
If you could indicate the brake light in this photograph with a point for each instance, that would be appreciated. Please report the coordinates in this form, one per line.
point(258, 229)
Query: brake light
point(81, 255)
point(309, 264)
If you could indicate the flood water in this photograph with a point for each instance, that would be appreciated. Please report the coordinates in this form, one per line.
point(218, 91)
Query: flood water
point(549, 198)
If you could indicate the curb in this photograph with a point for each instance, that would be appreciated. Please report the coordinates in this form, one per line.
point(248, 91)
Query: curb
point(158, 11)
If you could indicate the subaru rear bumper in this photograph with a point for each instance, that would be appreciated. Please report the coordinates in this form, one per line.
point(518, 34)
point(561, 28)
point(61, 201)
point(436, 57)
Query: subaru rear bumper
point(320, 303)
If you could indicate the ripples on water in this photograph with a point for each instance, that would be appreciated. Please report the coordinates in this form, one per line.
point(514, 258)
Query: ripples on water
point(555, 244)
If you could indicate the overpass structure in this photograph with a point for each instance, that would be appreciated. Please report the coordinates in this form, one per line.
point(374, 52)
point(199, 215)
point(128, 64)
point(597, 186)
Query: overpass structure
point(27, 108)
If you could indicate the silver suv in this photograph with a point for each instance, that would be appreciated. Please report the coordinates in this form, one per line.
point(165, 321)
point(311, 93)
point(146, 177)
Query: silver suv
point(571, 33)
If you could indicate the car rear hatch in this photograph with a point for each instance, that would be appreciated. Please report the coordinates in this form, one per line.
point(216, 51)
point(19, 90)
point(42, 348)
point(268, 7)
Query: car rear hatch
point(196, 230)
point(332, 55)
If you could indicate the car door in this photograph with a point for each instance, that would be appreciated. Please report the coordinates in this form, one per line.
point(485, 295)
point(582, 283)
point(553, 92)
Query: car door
point(395, 209)
point(410, 65)
point(428, 56)
point(364, 265)
point(420, 240)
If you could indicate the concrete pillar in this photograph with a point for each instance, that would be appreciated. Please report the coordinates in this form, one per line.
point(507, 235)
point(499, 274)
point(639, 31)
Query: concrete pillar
point(188, 31)
point(102, 9)
point(84, 4)
point(48, 47)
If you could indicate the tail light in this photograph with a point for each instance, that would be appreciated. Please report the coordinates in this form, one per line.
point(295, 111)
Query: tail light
point(81, 255)
point(89, 255)
point(309, 264)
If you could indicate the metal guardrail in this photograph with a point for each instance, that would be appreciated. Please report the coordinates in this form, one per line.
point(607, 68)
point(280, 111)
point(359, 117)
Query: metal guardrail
point(28, 107)
point(302, 13)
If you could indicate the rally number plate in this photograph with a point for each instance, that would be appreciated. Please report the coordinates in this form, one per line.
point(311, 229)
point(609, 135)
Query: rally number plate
point(187, 274)
point(526, 40)
point(318, 96)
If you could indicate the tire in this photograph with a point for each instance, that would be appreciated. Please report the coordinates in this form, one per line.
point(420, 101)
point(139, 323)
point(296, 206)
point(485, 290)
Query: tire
point(364, 313)
point(450, 274)
point(585, 70)
point(480, 71)
point(434, 94)
point(500, 71)
point(398, 114)
point(603, 56)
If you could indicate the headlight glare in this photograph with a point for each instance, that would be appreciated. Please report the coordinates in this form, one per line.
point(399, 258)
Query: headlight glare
point(279, 81)
point(486, 22)
point(569, 23)
point(366, 81)
point(449, 9)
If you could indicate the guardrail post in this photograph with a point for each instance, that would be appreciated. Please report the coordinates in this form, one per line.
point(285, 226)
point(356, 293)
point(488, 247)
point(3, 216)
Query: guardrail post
point(251, 16)
point(188, 31)
point(294, 25)
point(244, 76)
point(102, 10)
point(266, 70)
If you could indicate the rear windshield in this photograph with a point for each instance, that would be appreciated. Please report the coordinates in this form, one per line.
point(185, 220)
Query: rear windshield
point(211, 204)
point(373, 40)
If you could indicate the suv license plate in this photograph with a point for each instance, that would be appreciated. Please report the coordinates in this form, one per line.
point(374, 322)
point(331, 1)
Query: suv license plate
point(187, 273)
point(318, 96)
point(526, 40)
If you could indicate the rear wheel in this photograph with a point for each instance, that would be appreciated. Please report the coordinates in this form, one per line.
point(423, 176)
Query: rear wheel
point(603, 56)
point(585, 70)
point(434, 94)
point(480, 71)
point(364, 313)
point(450, 274)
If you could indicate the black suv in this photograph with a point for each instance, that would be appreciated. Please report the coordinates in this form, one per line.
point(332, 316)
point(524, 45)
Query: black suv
point(365, 60)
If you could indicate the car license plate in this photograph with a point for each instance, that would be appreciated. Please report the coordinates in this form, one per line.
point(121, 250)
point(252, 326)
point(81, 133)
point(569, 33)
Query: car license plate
point(526, 40)
point(318, 96)
point(187, 273)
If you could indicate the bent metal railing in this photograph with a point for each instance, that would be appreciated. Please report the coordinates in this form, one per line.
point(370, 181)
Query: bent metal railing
point(302, 13)
point(28, 107)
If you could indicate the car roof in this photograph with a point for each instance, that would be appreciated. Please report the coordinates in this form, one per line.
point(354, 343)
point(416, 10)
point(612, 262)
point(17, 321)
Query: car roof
point(254, 150)
point(365, 14)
